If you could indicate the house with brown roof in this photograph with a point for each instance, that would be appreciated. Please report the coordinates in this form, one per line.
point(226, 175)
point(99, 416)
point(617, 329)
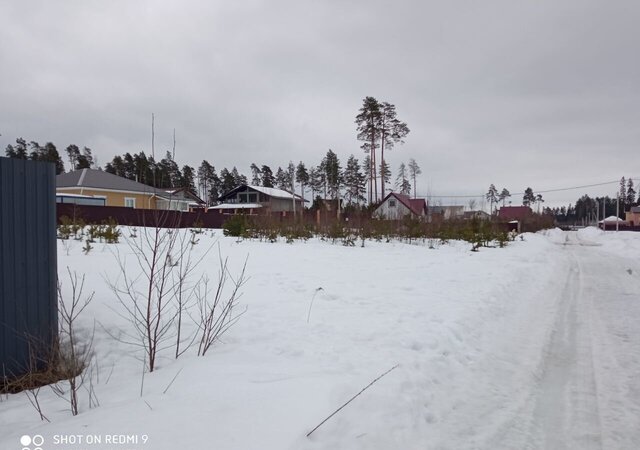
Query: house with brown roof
point(397, 206)
point(119, 191)
point(510, 213)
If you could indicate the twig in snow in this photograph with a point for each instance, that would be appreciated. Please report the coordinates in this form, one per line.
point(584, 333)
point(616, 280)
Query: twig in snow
point(351, 399)
point(311, 304)
point(172, 380)
point(144, 366)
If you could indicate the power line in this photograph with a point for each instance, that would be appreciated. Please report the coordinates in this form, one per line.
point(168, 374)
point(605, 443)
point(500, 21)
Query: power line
point(538, 192)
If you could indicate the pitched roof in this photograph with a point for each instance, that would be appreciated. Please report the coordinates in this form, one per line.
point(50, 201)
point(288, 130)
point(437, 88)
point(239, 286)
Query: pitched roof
point(514, 212)
point(415, 205)
point(271, 192)
point(91, 178)
point(98, 179)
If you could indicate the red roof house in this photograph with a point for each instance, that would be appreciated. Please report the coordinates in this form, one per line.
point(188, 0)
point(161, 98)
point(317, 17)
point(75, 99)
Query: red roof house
point(518, 213)
point(397, 206)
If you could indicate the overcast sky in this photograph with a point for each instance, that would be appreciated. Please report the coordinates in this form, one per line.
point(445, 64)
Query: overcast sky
point(540, 93)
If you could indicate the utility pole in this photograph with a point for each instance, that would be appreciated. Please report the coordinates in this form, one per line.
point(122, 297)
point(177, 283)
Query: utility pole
point(617, 210)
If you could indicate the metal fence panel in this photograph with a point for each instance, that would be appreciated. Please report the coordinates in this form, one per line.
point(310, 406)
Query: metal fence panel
point(28, 267)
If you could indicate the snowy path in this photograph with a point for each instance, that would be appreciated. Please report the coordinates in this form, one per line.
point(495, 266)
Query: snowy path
point(587, 397)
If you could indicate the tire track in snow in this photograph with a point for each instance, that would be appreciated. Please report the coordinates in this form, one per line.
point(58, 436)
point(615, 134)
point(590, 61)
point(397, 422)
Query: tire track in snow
point(566, 412)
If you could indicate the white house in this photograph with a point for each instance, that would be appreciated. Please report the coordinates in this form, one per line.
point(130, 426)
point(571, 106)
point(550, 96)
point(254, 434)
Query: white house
point(398, 206)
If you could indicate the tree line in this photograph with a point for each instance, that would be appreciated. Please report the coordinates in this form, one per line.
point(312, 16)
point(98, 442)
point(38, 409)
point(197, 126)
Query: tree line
point(377, 126)
point(326, 180)
point(591, 209)
point(528, 199)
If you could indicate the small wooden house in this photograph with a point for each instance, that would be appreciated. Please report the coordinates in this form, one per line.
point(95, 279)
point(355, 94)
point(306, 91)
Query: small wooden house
point(398, 206)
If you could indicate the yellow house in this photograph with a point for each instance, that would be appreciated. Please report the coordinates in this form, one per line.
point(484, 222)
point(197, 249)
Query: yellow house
point(119, 191)
point(633, 216)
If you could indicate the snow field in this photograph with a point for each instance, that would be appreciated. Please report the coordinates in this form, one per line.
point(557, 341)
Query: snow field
point(467, 329)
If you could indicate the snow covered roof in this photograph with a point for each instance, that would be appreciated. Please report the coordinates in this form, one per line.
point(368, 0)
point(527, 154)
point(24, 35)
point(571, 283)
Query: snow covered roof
point(612, 219)
point(64, 194)
point(271, 192)
point(237, 206)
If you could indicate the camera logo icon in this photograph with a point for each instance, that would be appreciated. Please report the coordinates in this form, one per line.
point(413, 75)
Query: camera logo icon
point(26, 441)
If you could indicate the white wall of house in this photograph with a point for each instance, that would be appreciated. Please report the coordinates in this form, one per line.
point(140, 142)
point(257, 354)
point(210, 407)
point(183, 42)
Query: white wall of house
point(173, 205)
point(392, 209)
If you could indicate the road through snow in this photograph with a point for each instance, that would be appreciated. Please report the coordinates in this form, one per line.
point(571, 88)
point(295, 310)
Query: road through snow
point(588, 396)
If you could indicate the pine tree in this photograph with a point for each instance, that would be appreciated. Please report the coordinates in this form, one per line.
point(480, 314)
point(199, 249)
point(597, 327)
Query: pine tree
point(402, 181)
point(188, 178)
point(256, 175)
point(529, 197)
point(238, 178)
point(290, 174)
point(385, 173)
point(267, 176)
point(392, 131)
point(354, 182)
point(366, 172)
point(73, 153)
point(333, 174)
point(631, 194)
point(622, 194)
point(302, 178)
point(368, 121)
point(47, 153)
point(492, 196)
point(281, 179)
point(227, 180)
point(206, 173)
point(504, 195)
point(312, 182)
point(414, 171)
point(321, 178)
point(539, 201)
point(19, 151)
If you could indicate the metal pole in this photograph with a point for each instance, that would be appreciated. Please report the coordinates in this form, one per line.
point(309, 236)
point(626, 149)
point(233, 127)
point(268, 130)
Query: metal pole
point(617, 210)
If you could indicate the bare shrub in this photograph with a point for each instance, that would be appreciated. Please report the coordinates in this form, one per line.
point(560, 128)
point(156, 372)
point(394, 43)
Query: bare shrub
point(216, 306)
point(155, 301)
point(73, 354)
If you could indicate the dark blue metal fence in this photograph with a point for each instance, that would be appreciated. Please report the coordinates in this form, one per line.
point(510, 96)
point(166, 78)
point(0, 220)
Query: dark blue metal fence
point(28, 306)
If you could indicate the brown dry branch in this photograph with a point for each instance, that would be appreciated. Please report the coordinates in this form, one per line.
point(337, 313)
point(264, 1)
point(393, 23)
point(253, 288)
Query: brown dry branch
point(155, 301)
point(351, 399)
point(74, 355)
point(217, 309)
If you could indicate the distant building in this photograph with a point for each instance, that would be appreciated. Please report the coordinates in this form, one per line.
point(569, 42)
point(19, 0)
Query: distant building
point(519, 213)
point(633, 216)
point(114, 190)
point(446, 212)
point(398, 206)
point(258, 199)
point(482, 215)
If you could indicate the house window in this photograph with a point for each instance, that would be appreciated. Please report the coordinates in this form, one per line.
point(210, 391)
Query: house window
point(129, 202)
point(392, 203)
point(248, 197)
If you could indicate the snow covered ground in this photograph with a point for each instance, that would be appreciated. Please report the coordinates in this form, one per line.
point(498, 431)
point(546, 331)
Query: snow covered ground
point(536, 345)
